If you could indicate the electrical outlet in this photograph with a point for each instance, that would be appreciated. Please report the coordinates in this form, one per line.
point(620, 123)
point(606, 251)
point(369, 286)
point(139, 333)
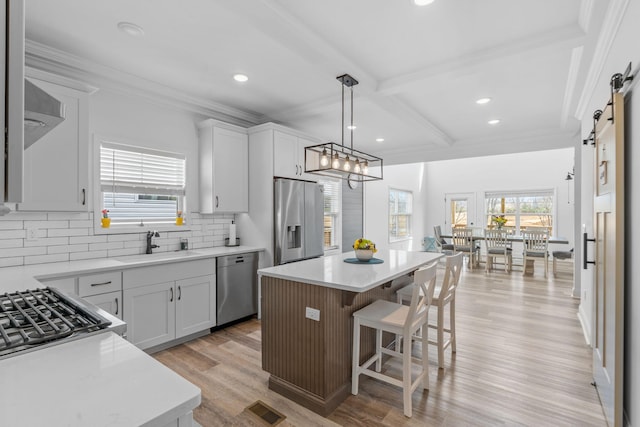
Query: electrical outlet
point(313, 314)
point(32, 234)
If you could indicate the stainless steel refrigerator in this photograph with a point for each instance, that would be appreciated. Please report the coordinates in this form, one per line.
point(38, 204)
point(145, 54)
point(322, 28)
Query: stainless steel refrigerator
point(299, 220)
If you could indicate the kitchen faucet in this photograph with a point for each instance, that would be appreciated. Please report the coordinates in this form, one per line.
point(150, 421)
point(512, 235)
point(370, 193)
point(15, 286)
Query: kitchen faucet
point(150, 246)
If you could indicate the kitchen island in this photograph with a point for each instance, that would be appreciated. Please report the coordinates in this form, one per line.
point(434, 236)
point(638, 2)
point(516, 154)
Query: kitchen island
point(307, 324)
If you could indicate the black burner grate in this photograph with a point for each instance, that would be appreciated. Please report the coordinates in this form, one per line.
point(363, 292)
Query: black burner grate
point(37, 316)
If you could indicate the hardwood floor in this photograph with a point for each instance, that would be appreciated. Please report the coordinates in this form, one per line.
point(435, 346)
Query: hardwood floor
point(521, 360)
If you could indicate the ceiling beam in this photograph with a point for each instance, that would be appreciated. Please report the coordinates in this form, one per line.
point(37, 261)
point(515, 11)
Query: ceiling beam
point(565, 37)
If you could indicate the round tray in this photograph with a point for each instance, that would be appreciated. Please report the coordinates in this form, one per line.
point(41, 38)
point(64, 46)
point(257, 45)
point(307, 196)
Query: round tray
point(357, 261)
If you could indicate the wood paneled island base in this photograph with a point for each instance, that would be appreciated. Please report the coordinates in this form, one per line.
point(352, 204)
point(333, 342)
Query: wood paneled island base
point(310, 361)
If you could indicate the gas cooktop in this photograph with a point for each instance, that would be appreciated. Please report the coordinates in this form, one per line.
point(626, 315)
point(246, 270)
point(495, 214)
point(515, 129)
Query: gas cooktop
point(33, 318)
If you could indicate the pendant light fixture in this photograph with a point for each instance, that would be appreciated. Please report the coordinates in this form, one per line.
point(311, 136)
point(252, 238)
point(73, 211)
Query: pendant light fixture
point(338, 160)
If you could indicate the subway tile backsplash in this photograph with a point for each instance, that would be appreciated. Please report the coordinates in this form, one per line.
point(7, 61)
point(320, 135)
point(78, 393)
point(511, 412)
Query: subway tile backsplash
point(68, 236)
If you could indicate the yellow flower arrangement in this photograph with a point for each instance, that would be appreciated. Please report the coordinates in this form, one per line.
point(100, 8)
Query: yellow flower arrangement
point(499, 220)
point(364, 244)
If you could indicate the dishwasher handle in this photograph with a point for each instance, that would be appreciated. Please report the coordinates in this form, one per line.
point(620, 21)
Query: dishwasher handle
point(231, 260)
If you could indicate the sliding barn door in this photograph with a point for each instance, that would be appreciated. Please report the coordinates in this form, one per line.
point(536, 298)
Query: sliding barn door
point(609, 259)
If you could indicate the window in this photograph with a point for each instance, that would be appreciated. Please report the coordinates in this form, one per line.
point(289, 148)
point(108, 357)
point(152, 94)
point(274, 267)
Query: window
point(331, 213)
point(459, 211)
point(400, 210)
point(140, 185)
point(522, 209)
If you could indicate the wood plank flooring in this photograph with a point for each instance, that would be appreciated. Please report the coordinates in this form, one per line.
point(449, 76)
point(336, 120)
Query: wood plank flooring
point(521, 360)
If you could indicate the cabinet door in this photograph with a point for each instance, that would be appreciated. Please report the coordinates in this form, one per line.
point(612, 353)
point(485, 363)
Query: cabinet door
point(55, 166)
point(302, 143)
point(230, 170)
point(286, 160)
point(149, 312)
point(196, 305)
point(111, 302)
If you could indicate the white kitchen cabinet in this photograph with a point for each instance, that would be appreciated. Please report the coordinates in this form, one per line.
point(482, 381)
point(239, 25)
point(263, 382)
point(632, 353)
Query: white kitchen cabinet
point(169, 301)
point(111, 302)
point(224, 167)
point(56, 173)
point(289, 155)
point(161, 312)
point(150, 314)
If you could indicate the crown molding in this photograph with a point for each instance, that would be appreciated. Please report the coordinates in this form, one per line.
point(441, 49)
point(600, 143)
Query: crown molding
point(610, 26)
point(584, 17)
point(51, 60)
point(572, 78)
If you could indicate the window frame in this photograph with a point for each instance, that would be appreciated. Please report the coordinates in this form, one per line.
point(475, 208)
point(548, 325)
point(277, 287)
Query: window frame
point(409, 236)
point(518, 195)
point(98, 197)
point(334, 249)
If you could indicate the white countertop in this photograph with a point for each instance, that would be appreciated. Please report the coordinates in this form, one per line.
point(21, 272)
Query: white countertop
point(26, 277)
point(333, 272)
point(101, 380)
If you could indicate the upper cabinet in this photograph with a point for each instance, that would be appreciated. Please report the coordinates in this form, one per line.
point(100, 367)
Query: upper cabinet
point(56, 172)
point(224, 167)
point(288, 159)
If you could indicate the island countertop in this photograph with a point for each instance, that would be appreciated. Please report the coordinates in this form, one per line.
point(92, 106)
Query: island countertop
point(332, 272)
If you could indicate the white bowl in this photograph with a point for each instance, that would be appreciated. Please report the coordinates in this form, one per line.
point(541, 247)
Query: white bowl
point(364, 254)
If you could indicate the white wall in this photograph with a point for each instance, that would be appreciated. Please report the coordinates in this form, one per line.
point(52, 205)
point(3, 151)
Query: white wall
point(508, 172)
point(376, 211)
point(623, 50)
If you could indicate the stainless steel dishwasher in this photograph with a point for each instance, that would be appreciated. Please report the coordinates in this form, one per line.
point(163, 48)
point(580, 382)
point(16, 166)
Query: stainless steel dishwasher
point(237, 287)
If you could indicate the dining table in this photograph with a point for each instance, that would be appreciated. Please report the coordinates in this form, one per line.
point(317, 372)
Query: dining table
point(516, 238)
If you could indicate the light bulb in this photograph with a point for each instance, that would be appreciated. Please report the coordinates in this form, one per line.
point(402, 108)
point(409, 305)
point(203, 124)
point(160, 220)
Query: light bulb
point(336, 162)
point(347, 164)
point(324, 159)
point(365, 168)
point(356, 168)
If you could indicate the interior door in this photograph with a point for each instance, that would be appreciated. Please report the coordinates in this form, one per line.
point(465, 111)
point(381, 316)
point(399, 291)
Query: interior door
point(460, 210)
point(609, 260)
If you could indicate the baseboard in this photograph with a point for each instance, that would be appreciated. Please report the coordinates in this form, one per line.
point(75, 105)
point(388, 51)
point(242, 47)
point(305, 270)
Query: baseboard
point(586, 330)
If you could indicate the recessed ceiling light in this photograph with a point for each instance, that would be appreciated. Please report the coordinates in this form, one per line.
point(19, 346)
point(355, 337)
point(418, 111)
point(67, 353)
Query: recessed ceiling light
point(350, 127)
point(131, 29)
point(240, 78)
point(483, 101)
point(379, 139)
point(494, 121)
point(422, 2)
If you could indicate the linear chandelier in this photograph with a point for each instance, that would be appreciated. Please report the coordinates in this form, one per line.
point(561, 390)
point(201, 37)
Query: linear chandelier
point(338, 160)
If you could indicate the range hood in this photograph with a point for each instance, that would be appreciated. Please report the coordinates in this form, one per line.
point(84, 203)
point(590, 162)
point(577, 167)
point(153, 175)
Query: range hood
point(42, 112)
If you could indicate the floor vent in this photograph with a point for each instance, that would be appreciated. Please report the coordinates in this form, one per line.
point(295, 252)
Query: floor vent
point(265, 413)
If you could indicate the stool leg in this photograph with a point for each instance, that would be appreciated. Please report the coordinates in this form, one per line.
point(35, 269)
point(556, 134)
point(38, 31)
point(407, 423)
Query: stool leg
point(554, 267)
point(379, 350)
point(355, 364)
point(425, 358)
point(406, 376)
point(441, 337)
point(452, 323)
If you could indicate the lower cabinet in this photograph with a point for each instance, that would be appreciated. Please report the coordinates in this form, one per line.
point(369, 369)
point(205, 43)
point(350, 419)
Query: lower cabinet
point(110, 302)
point(161, 312)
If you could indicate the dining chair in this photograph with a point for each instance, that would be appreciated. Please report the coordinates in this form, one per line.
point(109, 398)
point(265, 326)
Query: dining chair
point(402, 320)
point(536, 243)
point(463, 241)
point(444, 294)
point(560, 255)
point(497, 245)
point(442, 244)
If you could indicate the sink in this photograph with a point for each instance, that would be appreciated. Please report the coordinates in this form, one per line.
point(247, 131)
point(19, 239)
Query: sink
point(177, 255)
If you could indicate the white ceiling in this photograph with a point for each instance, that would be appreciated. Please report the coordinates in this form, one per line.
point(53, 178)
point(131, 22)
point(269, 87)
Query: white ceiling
point(420, 68)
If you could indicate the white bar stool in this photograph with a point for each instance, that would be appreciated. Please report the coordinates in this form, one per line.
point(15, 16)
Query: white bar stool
point(401, 320)
point(444, 294)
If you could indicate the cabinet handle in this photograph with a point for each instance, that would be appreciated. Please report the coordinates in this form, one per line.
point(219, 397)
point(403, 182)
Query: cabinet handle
point(296, 170)
point(171, 299)
point(84, 197)
point(116, 313)
point(101, 284)
point(216, 201)
point(179, 292)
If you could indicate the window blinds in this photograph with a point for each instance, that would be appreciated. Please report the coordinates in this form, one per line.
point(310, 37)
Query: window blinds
point(125, 169)
point(331, 196)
